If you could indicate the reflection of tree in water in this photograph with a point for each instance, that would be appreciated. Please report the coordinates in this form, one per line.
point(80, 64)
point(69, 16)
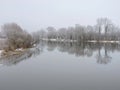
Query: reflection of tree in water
point(86, 49)
point(51, 46)
point(80, 49)
point(105, 59)
point(77, 49)
point(14, 59)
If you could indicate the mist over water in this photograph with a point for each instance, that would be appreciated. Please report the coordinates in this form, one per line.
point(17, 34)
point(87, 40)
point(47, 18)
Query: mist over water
point(79, 45)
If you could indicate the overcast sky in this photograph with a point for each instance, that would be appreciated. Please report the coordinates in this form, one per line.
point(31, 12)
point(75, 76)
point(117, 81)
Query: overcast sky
point(35, 14)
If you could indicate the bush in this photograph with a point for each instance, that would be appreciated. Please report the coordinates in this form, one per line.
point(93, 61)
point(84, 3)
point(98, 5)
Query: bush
point(16, 36)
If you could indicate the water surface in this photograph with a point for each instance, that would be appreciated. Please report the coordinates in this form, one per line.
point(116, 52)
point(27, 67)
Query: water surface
point(63, 66)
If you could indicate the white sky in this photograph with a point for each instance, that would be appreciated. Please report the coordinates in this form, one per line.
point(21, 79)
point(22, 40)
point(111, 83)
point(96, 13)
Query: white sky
point(35, 14)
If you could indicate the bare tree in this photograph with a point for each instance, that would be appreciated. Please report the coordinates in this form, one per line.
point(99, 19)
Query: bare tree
point(62, 33)
point(16, 36)
point(51, 33)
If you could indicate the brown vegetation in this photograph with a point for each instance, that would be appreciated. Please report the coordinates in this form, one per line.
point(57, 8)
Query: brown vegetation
point(16, 37)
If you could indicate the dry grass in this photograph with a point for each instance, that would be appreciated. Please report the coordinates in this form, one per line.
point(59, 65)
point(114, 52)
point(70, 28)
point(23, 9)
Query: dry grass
point(12, 53)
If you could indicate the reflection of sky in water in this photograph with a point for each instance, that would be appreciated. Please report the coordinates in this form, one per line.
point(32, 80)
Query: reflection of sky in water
point(102, 53)
point(55, 70)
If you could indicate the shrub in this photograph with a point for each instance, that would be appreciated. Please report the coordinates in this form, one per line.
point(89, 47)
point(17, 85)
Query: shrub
point(16, 36)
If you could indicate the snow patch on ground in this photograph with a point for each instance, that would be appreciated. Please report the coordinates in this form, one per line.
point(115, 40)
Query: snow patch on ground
point(94, 41)
point(59, 40)
point(19, 49)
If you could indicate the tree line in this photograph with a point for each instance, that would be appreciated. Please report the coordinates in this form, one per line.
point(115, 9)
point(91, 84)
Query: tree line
point(104, 29)
point(16, 37)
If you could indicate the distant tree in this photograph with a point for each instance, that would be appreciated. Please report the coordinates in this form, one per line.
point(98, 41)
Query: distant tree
point(51, 33)
point(104, 24)
point(42, 34)
point(80, 32)
point(35, 37)
point(62, 33)
point(70, 33)
point(99, 25)
point(89, 33)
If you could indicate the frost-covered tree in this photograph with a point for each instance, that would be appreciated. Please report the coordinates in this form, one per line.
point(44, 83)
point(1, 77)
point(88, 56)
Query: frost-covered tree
point(16, 36)
point(62, 33)
point(51, 33)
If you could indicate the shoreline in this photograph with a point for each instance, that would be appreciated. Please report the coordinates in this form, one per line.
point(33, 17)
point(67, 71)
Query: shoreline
point(91, 41)
point(20, 50)
point(104, 41)
point(11, 53)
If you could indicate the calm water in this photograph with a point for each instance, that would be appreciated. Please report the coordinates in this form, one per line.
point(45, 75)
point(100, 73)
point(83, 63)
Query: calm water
point(63, 66)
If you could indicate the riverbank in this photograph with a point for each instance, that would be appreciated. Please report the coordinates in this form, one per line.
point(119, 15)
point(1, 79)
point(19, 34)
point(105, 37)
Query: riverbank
point(103, 41)
point(10, 53)
point(91, 41)
point(58, 40)
point(21, 50)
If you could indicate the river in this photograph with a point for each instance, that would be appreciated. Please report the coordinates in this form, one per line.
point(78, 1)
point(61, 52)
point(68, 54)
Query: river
point(63, 66)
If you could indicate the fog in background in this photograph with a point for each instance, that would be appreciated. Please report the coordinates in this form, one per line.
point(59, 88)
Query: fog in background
point(35, 14)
